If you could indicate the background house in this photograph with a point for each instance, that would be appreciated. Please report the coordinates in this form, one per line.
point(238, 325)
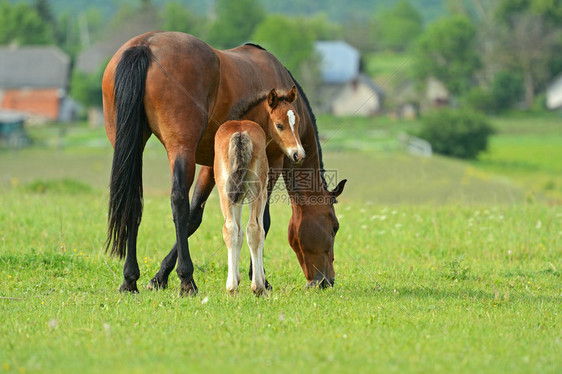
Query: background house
point(554, 94)
point(411, 98)
point(345, 90)
point(34, 80)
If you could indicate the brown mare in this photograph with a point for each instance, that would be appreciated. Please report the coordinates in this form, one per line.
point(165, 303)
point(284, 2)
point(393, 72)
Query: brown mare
point(180, 89)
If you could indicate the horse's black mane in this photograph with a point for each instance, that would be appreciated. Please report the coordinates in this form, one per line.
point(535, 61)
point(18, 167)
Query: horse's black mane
point(314, 126)
point(256, 45)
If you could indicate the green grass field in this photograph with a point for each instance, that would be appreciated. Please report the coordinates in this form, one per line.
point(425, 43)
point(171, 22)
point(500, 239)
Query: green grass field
point(442, 266)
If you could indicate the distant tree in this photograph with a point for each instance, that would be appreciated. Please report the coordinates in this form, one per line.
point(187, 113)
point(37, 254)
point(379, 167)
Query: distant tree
point(359, 33)
point(72, 25)
point(287, 38)
point(43, 9)
point(397, 27)
point(291, 40)
point(176, 17)
point(235, 22)
point(86, 88)
point(530, 41)
point(21, 23)
point(447, 51)
point(323, 28)
point(550, 10)
point(528, 44)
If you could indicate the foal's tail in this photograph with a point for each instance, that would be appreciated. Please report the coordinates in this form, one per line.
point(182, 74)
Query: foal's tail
point(125, 196)
point(240, 150)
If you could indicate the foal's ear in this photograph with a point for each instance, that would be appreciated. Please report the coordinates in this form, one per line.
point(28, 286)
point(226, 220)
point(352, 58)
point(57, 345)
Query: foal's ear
point(292, 95)
point(339, 188)
point(272, 98)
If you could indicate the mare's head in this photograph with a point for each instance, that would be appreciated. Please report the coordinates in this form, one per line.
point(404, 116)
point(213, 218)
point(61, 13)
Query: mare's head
point(312, 231)
point(283, 124)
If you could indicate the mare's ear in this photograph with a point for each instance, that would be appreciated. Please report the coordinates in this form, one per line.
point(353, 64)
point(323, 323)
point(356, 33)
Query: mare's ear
point(292, 95)
point(272, 98)
point(339, 188)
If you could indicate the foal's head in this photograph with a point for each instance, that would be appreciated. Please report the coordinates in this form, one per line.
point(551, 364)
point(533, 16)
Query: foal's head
point(284, 124)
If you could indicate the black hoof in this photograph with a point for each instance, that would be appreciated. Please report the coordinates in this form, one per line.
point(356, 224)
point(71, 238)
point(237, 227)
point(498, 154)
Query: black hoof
point(268, 286)
point(188, 288)
point(156, 284)
point(129, 287)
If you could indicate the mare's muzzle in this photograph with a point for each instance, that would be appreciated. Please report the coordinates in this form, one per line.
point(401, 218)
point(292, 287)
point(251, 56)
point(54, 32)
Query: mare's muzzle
point(322, 283)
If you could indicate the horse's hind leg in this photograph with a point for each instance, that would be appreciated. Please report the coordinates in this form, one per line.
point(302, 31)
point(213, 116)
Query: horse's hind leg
point(256, 238)
point(233, 236)
point(203, 188)
point(182, 176)
point(131, 271)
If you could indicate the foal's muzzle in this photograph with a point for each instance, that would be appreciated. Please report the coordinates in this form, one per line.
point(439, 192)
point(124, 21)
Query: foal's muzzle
point(298, 155)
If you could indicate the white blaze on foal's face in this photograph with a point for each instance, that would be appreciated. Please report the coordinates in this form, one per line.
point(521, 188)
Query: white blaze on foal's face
point(292, 121)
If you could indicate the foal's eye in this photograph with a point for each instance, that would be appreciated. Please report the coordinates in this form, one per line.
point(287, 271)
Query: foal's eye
point(279, 126)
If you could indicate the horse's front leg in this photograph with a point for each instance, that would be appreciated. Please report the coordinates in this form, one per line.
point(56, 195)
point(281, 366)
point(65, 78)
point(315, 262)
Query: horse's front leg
point(182, 177)
point(266, 225)
point(203, 187)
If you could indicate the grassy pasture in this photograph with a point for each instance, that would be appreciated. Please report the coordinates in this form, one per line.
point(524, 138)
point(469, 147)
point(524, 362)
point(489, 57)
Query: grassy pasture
point(441, 266)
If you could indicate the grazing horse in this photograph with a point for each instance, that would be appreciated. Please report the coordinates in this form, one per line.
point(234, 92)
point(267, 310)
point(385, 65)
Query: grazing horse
point(240, 170)
point(180, 89)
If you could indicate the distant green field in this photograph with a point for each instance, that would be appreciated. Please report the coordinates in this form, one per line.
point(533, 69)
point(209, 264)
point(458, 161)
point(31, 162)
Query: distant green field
point(442, 265)
point(528, 151)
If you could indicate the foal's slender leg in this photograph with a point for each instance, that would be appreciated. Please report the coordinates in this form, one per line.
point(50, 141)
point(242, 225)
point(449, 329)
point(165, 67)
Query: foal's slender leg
point(272, 179)
point(131, 270)
point(266, 225)
point(233, 236)
point(203, 187)
point(183, 172)
point(256, 237)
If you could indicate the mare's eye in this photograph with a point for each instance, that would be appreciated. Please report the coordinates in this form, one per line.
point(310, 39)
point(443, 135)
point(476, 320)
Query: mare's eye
point(279, 126)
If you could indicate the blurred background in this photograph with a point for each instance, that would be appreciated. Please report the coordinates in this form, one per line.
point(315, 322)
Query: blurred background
point(419, 101)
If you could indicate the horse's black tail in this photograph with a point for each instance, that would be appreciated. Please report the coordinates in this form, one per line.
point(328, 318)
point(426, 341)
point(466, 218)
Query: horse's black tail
point(125, 196)
point(240, 148)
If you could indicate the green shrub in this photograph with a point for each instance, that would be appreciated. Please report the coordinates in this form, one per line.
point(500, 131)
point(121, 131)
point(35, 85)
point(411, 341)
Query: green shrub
point(459, 133)
point(507, 89)
point(480, 99)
